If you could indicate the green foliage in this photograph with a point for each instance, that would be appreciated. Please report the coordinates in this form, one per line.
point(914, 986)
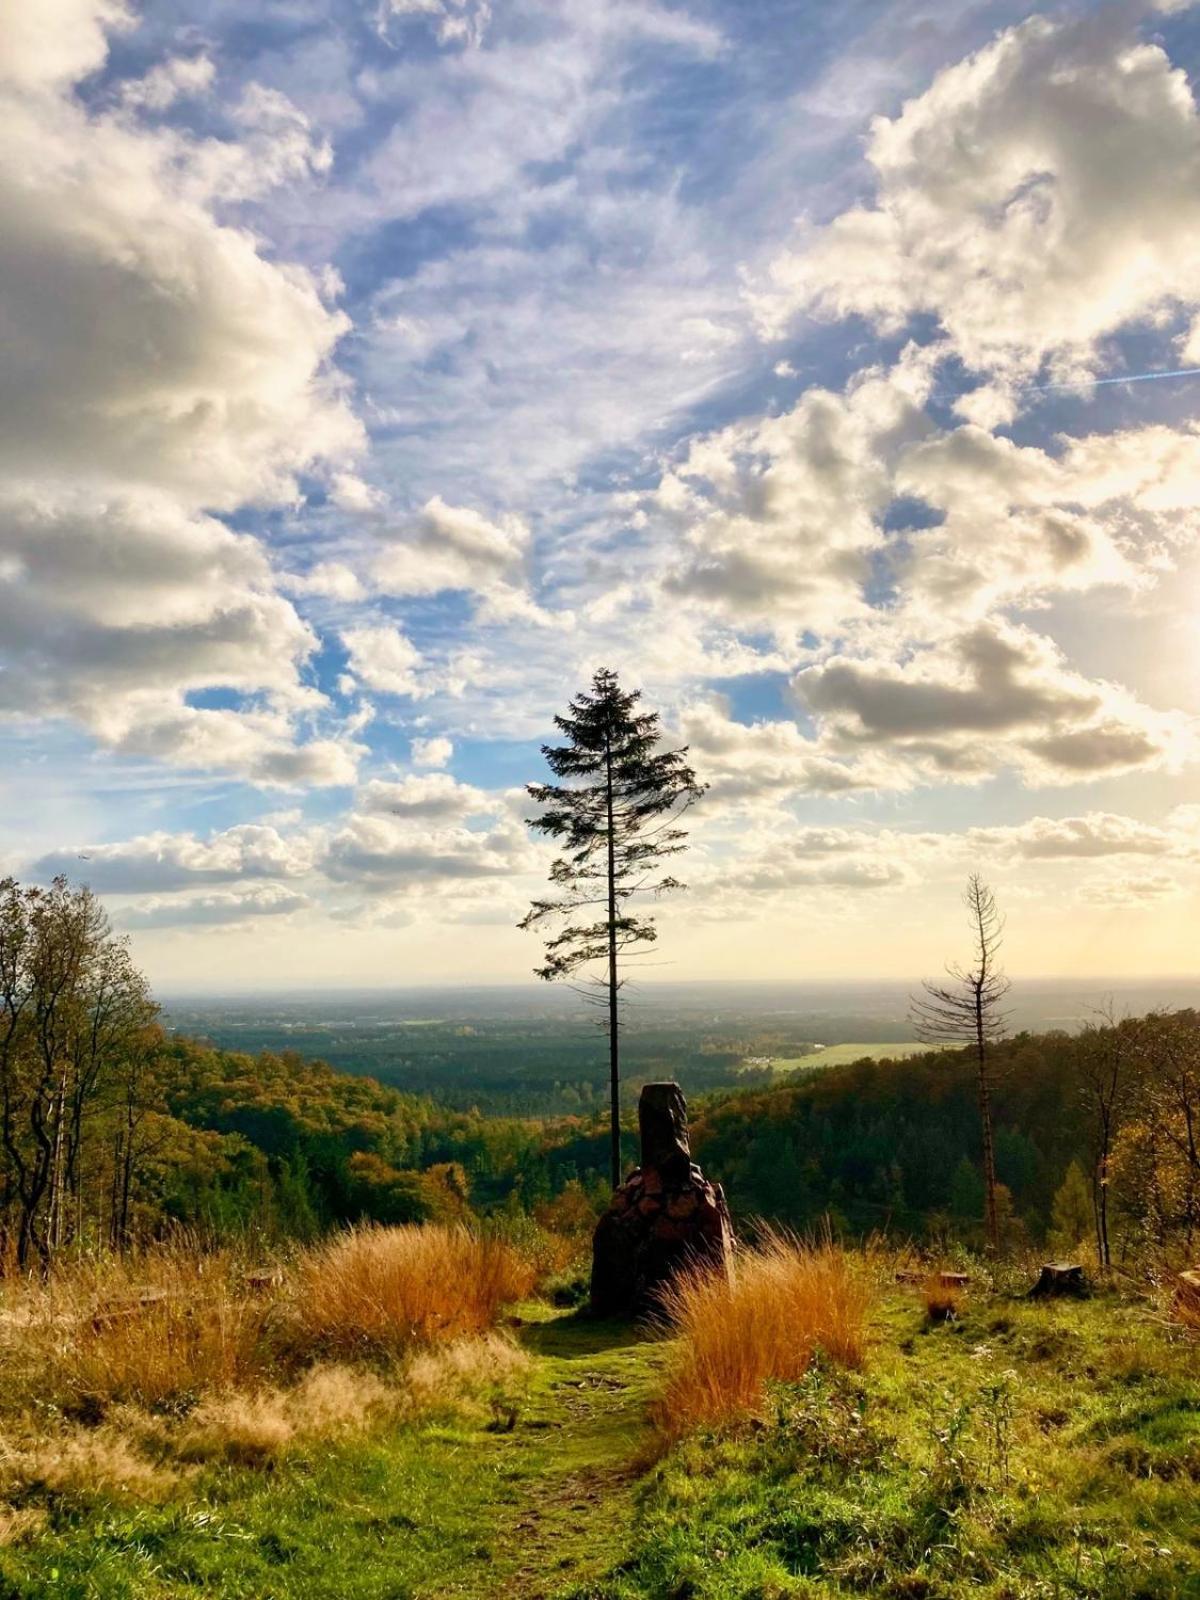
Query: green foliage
point(1071, 1212)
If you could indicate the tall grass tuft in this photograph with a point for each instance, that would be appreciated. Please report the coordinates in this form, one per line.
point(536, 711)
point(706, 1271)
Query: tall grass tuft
point(387, 1289)
point(783, 1302)
point(151, 1329)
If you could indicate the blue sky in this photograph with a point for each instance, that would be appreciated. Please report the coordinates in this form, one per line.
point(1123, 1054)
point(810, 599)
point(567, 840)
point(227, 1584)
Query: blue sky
point(378, 369)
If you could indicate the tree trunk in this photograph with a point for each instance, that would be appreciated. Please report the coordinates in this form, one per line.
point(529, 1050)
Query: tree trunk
point(991, 1219)
point(614, 1057)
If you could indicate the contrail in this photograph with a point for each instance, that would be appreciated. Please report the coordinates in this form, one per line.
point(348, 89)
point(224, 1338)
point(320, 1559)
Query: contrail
point(1095, 383)
point(1083, 383)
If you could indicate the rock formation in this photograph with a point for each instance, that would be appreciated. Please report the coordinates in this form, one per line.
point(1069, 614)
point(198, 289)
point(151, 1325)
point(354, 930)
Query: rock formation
point(665, 1216)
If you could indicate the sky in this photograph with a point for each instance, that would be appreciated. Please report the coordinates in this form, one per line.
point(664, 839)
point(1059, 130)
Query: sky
point(374, 371)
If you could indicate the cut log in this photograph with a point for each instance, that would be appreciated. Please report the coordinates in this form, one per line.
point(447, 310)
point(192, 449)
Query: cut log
point(127, 1307)
point(1061, 1278)
point(946, 1280)
point(1187, 1293)
point(260, 1279)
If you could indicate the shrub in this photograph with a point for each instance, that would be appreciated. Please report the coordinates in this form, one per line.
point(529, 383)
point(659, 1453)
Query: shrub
point(387, 1289)
point(782, 1303)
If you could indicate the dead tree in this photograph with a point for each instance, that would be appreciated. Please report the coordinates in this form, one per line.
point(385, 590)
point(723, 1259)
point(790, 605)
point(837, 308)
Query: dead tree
point(967, 1011)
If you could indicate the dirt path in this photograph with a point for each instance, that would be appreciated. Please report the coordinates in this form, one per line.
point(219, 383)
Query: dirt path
point(565, 1475)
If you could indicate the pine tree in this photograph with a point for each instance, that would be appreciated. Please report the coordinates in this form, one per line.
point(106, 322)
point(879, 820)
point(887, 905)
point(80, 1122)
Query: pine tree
point(616, 816)
point(1071, 1212)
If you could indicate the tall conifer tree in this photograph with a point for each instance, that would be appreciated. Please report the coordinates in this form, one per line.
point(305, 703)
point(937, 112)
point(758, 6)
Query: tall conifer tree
point(615, 814)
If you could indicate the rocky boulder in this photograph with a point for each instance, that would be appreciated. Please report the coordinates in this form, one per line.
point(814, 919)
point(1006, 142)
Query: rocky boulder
point(664, 1217)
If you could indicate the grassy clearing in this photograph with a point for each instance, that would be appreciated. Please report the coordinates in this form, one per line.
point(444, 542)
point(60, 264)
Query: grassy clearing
point(841, 1055)
point(1018, 1452)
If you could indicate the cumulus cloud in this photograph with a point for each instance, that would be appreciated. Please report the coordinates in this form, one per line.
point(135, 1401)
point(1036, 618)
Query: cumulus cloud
point(57, 41)
point(782, 516)
point(427, 796)
point(158, 862)
point(177, 78)
point(996, 695)
point(158, 368)
point(212, 910)
point(453, 547)
point(1098, 833)
point(435, 751)
point(382, 855)
point(766, 760)
point(1012, 197)
point(383, 658)
point(1131, 892)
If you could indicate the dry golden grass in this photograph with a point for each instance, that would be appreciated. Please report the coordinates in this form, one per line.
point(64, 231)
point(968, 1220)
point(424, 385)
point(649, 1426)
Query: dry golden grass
point(444, 1376)
point(783, 1302)
point(149, 1328)
point(385, 1290)
point(84, 1463)
point(19, 1524)
point(251, 1428)
point(170, 1326)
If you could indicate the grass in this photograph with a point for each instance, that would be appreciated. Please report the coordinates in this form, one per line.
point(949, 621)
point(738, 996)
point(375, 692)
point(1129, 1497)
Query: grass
point(1021, 1451)
point(386, 1289)
point(783, 1303)
point(840, 1055)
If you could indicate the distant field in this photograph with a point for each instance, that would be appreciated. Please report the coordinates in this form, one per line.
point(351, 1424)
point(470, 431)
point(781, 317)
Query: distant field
point(837, 1055)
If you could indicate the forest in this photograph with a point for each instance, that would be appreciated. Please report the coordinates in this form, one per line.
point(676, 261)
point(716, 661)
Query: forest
point(116, 1131)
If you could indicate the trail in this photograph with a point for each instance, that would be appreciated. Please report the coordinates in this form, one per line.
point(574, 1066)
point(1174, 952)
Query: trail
point(565, 1474)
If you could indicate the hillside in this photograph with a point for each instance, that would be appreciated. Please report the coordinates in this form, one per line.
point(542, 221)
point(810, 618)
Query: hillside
point(1016, 1452)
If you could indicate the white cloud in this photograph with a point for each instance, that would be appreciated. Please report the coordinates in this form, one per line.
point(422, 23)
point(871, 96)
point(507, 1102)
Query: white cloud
point(212, 910)
point(383, 658)
point(1039, 195)
point(385, 855)
point(158, 367)
point(453, 547)
point(180, 77)
point(1098, 833)
point(428, 796)
point(994, 696)
point(57, 41)
point(158, 862)
point(1128, 893)
point(435, 751)
point(332, 580)
point(454, 21)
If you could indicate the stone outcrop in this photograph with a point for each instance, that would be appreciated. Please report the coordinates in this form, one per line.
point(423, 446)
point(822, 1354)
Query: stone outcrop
point(664, 1217)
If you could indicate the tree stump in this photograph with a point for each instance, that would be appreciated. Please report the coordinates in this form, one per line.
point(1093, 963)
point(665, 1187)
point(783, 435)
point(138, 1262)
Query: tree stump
point(1061, 1279)
point(1186, 1301)
point(665, 1217)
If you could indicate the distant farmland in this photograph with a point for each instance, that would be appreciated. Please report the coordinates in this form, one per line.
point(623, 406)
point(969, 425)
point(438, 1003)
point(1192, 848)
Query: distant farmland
point(837, 1055)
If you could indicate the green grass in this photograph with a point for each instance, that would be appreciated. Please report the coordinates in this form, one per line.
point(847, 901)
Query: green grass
point(1020, 1453)
point(544, 1493)
point(840, 1055)
point(1028, 1451)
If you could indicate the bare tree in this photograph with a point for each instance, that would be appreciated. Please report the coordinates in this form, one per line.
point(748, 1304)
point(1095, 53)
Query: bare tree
point(967, 1011)
point(1108, 1052)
